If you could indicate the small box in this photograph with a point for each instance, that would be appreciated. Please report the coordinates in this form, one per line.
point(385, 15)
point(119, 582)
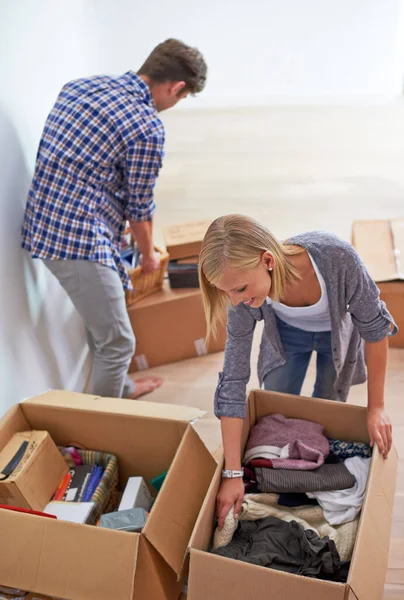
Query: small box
point(183, 273)
point(37, 469)
point(380, 244)
point(133, 520)
point(186, 239)
point(136, 495)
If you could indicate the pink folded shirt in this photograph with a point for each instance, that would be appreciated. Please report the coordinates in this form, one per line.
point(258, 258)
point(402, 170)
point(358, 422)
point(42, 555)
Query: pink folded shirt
point(288, 443)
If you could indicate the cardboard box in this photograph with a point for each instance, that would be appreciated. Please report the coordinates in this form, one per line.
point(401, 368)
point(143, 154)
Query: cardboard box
point(219, 578)
point(38, 473)
point(82, 562)
point(170, 326)
point(40, 597)
point(185, 240)
point(381, 247)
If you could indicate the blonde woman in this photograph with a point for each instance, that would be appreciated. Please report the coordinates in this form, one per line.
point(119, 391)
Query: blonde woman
point(314, 294)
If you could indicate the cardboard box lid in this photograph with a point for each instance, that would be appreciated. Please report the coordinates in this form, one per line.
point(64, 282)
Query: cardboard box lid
point(62, 561)
point(140, 408)
point(380, 244)
point(180, 500)
point(185, 233)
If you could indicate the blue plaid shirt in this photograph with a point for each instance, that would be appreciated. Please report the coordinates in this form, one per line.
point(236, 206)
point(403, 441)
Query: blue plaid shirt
point(97, 163)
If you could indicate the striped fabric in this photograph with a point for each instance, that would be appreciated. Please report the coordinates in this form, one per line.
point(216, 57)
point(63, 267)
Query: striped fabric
point(105, 492)
point(326, 478)
point(97, 163)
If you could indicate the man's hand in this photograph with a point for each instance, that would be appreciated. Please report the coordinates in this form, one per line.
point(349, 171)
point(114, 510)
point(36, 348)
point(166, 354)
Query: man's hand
point(150, 263)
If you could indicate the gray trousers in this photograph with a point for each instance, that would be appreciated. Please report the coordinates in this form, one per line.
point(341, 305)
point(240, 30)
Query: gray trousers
point(98, 296)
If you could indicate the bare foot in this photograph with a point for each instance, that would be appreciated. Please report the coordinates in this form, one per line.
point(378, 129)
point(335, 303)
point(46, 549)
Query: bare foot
point(146, 386)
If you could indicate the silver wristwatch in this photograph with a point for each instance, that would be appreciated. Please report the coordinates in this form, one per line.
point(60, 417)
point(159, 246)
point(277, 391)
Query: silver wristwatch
point(230, 474)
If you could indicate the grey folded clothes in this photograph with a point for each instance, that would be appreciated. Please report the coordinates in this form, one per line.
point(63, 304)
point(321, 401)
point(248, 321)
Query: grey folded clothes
point(326, 478)
point(259, 506)
point(272, 543)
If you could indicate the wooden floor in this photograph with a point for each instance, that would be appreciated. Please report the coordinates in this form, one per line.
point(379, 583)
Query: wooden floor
point(296, 169)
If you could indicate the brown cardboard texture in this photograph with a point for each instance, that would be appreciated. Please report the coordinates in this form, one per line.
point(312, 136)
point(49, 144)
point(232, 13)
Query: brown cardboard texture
point(36, 477)
point(185, 240)
point(80, 562)
point(170, 326)
point(381, 247)
point(219, 578)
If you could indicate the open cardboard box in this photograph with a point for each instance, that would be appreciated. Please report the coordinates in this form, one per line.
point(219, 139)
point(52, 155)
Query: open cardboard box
point(83, 562)
point(380, 244)
point(216, 578)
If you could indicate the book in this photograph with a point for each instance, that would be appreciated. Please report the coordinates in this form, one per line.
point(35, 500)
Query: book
point(80, 478)
point(64, 484)
point(75, 512)
point(95, 479)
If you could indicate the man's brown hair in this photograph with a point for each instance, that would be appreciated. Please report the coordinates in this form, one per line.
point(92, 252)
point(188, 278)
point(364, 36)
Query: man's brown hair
point(173, 60)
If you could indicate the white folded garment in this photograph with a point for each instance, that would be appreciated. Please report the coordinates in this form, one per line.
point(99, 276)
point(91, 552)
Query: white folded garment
point(343, 506)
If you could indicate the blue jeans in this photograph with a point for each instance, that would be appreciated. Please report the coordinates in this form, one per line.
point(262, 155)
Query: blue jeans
point(298, 346)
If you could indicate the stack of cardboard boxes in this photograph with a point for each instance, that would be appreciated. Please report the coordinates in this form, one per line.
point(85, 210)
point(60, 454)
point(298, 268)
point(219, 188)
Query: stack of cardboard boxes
point(381, 246)
point(170, 325)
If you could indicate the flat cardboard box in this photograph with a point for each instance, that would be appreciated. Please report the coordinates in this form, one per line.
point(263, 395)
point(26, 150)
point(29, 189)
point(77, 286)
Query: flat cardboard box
point(219, 578)
point(380, 244)
point(38, 474)
point(82, 562)
point(170, 326)
point(185, 240)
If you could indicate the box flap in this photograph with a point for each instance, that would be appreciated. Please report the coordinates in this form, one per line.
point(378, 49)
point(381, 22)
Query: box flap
point(66, 560)
point(340, 420)
point(202, 533)
point(155, 580)
point(120, 406)
point(166, 294)
point(179, 502)
point(185, 233)
point(219, 578)
point(380, 244)
point(372, 543)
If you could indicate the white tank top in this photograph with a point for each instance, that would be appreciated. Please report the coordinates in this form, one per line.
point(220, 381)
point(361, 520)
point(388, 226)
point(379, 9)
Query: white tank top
point(309, 318)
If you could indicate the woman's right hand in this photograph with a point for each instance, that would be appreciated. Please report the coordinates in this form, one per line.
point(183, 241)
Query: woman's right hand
point(231, 493)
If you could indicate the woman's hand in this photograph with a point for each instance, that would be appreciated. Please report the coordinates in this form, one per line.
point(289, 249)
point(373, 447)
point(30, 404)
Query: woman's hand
point(231, 493)
point(380, 430)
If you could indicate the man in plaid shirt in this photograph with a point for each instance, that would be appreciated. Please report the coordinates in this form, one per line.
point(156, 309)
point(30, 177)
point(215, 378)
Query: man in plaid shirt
point(97, 164)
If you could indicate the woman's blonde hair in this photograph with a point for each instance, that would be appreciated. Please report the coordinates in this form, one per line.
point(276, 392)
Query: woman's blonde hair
point(238, 242)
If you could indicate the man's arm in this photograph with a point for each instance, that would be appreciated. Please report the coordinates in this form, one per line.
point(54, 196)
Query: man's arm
point(143, 232)
point(142, 166)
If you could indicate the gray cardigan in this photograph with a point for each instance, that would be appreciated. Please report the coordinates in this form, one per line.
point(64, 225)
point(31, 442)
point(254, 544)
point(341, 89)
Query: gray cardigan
point(356, 311)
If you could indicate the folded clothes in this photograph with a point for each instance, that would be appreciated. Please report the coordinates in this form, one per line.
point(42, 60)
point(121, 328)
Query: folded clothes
point(342, 506)
point(259, 506)
point(325, 478)
point(284, 546)
point(288, 443)
point(341, 450)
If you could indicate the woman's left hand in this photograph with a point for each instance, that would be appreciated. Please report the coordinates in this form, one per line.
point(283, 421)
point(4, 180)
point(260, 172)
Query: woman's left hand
point(380, 430)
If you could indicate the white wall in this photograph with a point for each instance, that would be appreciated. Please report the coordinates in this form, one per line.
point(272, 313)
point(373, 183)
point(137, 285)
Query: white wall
point(266, 50)
point(41, 338)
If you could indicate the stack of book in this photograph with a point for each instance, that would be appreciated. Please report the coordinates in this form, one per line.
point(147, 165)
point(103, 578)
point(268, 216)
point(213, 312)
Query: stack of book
point(79, 484)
